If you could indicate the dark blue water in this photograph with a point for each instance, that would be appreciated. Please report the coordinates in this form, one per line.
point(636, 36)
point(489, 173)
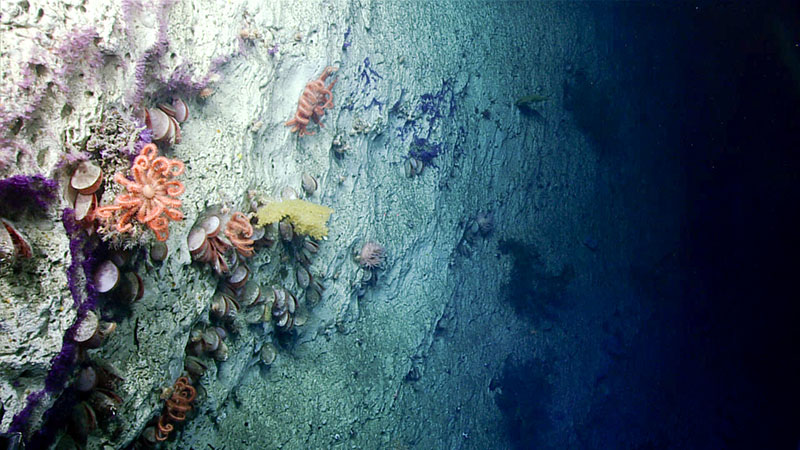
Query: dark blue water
point(716, 363)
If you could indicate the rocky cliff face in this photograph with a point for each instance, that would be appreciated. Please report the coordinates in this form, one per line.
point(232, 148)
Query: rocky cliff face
point(424, 152)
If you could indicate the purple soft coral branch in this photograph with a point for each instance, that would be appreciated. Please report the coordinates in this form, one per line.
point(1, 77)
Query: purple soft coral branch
point(82, 252)
point(73, 51)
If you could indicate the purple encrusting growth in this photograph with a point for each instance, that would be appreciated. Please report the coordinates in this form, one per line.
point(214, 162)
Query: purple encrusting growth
point(440, 104)
point(433, 107)
point(273, 50)
point(425, 151)
point(375, 102)
point(181, 79)
point(130, 8)
point(368, 71)
point(22, 192)
point(84, 297)
point(346, 43)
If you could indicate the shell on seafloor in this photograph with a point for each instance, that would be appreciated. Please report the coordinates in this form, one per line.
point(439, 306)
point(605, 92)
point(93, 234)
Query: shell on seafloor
point(212, 224)
point(268, 354)
point(13, 244)
point(211, 340)
point(86, 379)
point(158, 251)
point(289, 193)
point(409, 171)
point(311, 246)
point(194, 366)
point(251, 294)
point(413, 167)
point(84, 205)
point(87, 178)
point(224, 306)
point(303, 277)
point(87, 328)
point(104, 401)
point(258, 234)
point(174, 131)
point(301, 317)
point(219, 307)
point(239, 276)
point(91, 331)
point(106, 276)
point(120, 257)
point(181, 110)
point(82, 421)
point(221, 354)
point(197, 243)
point(131, 288)
point(310, 184)
point(286, 230)
point(167, 108)
point(159, 122)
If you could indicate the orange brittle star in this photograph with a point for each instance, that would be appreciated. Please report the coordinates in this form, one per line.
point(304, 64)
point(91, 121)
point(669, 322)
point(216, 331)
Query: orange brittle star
point(151, 196)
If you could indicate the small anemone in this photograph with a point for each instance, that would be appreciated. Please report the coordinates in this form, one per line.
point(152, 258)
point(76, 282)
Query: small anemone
point(371, 256)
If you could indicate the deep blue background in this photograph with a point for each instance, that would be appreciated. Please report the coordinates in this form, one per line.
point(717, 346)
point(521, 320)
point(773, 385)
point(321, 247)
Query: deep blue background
point(735, 273)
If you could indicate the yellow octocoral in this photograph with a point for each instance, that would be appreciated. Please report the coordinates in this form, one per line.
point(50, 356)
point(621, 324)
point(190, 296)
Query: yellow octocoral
point(306, 217)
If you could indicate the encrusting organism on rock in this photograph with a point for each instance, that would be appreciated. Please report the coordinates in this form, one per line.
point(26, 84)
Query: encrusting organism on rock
point(152, 194)
point(371, 256)
point(313, 102)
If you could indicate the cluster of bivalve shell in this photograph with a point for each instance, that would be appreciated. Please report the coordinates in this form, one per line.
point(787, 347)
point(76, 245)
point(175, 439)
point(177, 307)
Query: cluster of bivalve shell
point(194, 367)
point(301, 249)
point(95, 384)
point(224, 306)
point(413, 167)
point(83, 192)
point(310, 284)
point(13, 244)
point(208, 341)
point(121, 284)
point(222, 239)
point(281, 307)
point(235, 293)
point(91, 332)
point(164, 121)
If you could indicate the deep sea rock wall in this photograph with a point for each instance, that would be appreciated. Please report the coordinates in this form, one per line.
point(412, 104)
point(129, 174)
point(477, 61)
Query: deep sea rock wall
point(405, 360)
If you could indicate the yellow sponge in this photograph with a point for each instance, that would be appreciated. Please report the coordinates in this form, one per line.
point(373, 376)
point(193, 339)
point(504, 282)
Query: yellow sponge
point(306, 217)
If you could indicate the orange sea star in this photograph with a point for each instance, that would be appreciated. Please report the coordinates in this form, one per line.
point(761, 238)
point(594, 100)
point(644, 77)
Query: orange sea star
point(151, 196)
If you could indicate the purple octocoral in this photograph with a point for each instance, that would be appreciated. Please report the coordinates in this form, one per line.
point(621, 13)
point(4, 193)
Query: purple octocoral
point(371, 256)
point(22, 192)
